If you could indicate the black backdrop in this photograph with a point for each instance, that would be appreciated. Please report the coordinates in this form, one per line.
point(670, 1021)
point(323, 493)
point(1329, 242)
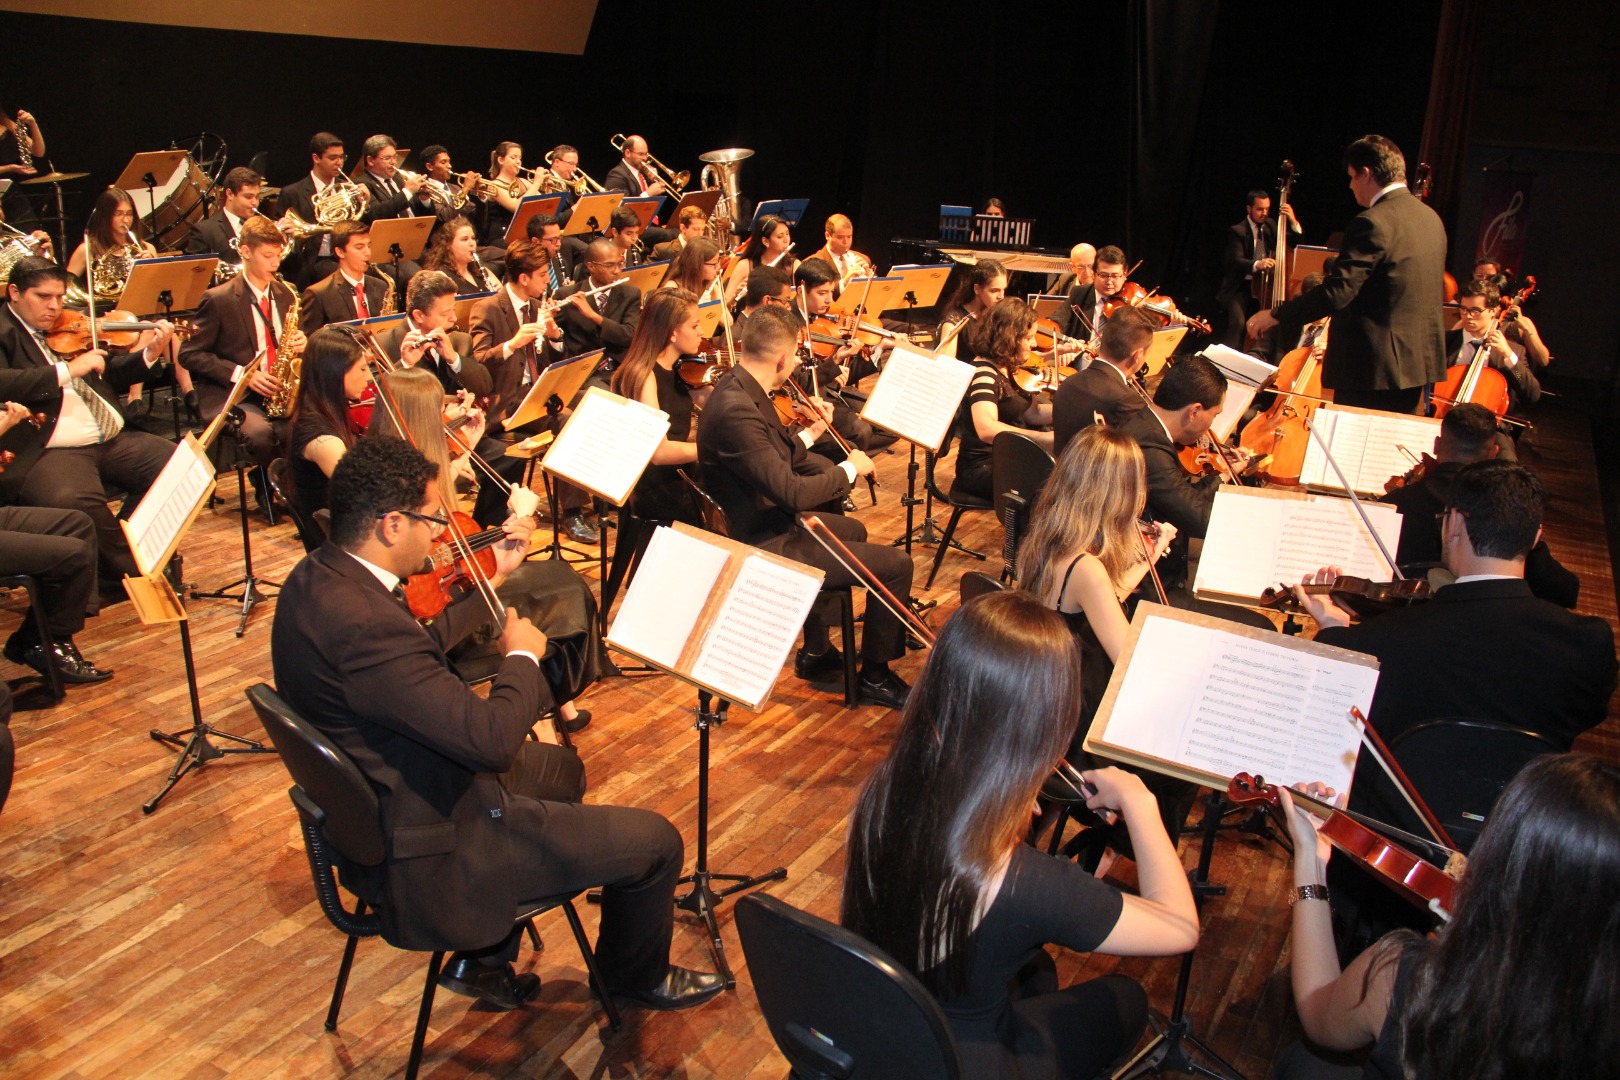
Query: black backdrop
point(1139, 123)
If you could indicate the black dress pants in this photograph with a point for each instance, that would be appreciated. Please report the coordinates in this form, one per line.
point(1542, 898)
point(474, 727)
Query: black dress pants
point(58, 548)
point(884, 637)
point(73, 478)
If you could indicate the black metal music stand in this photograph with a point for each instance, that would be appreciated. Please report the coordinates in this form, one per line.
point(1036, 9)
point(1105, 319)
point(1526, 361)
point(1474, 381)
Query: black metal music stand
point(1172, 1047)
point(703, 898)
point(249, 597)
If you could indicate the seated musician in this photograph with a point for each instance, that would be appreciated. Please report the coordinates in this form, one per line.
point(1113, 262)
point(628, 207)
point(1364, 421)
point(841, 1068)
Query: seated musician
point(846, 365)
point(603, 321)
point(393, 195)
point(632, 175)
point(667, 332)
point(624, 233)
point(1082, 316)
point(768, 244)
point(1486, 268)
point(1467, 434)
point(994, 402)
point(768, 286)
point(506, 169)
point(428, 338)
point(321, 428)
point(356, 665)
point(312, 259)
point(39, 237)
point(983, 288)
point(695, 269)
point(1519, 329)
point(1513, 984)
point(1251, 246)
point(506, 328)
point(57, 548)
point(690, 225)
point(1483, 648)
point(213, 235)
point(838, 250)
point(454, 253)
point(1184, 406)
point(1081, 272)
point(443, 189)
point(82, 447)
point(239, 336)
point(1107, 388)
point(940, 879)
point(1084, 553)
point(763, 477)
point(546, 230)
point(1479, 304)
point(351, 291)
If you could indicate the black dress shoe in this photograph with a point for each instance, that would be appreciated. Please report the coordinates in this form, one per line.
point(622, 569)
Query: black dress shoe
point(581, 530)
point(581, 721)
point(193, 406)
point(680, 988)
point(70, 665)
point(812, 666)
point(497, 986)
point(886, 689)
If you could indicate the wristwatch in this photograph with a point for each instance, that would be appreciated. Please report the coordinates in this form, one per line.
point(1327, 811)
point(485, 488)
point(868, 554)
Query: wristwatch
point(1307, 892)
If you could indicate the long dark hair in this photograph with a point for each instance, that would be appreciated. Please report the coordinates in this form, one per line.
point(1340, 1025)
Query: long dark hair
point(991, 715)
point(757, 236)
point(1525, 979)
point(100, 227)
point(438, 253)
point(327, 359)
point(665, 310)
point(687, 269)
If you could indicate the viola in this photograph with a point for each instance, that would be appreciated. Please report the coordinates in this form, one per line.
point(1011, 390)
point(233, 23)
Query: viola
point(1361, 596)
point(1161, 307)
point(70, 335)
point(449, 577)
point(1420, 882)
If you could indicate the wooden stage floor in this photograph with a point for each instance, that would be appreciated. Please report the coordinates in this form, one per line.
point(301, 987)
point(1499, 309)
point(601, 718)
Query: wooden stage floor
point(188, 943)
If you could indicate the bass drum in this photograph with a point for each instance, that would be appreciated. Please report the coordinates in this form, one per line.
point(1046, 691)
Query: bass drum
point(181, 203)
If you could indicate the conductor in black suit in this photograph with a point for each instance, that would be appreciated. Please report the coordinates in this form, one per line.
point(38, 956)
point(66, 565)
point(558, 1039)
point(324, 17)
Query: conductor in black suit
point(82, 446)
point(763, 477)
point(1251, 248)
point(1107, 387)
point(1384, 292)
point(477, 819)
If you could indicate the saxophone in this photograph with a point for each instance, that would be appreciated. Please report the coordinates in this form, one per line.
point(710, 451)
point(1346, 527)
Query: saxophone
point(288, 368)
point(390, 304)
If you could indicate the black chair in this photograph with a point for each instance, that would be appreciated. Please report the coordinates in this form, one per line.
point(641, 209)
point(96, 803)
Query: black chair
point(975, 583)
point(52, 679)
point(1019, 468)
point(714, 520)
point(835, 1004)
point(1460, 767)
point(311, 532)
point(341, 822)
point(958, 500)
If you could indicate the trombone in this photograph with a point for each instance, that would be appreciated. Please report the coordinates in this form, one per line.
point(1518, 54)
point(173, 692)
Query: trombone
point(579, 185)
point(675, 181)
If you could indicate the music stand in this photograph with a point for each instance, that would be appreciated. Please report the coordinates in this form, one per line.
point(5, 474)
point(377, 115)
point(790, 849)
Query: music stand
point(528, 207)
point(647, 276)
point(1161, 347)
point(924, 284)
point(376, 324)
point(555, 388)
point(402, 240)
point(1047, 305)
point(250, 597)
point(169, 284)
point(709, 313)
point(703, 200)
point(645, 207)
point(150, 169)
point(885, 294)
point(789, 210)
point(464, 306)
point(591, 213)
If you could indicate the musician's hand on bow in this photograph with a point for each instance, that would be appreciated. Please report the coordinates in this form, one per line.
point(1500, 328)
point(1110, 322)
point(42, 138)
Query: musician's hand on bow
point(1260, 322)
point(863, 464)
point(1318, 605)
point(1305, 826)
point(1161, 543)
point(1264, 264)
point(521, 635)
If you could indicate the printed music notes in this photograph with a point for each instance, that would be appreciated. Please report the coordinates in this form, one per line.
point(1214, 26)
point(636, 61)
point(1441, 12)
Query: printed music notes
point(169, 506)
point(917, 395)
point(606, 444)
point(1367, 446)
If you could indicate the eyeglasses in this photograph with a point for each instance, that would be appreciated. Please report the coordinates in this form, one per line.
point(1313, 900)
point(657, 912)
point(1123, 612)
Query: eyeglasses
point(610, 265)
point(432, 519)
point(1104, 275)
point(1471, 310)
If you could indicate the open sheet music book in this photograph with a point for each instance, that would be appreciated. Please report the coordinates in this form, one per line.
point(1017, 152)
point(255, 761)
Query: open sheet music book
point(1203, 699)
point(717, 613)
point(1260, 537)
point(1245, 376)
point(606, 444)
point(1367, 445)
point(169, 506)
point(917, 395)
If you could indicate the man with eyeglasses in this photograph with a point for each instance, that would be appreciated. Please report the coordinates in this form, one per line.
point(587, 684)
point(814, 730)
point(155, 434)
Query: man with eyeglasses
point(312, 259)
point(1478, 302)
point(476, 817)
point(1082, 317)
point(606, 320)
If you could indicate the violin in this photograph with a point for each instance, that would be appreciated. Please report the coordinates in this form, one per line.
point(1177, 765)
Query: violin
point(1162, 308)
point(70, 335)
point(1414, 475)
point(1361, 596)
point(448, 577)
point(793, 407)
point(1420, 882)
point(1211, 457)
point(712, 361)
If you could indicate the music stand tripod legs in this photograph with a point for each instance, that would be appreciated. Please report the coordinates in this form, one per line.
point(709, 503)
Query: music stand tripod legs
point(1173, 1047)
point(250, 596)
point(703, 898)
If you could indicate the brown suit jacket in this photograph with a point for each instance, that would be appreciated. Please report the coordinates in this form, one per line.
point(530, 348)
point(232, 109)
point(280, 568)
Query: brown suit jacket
point(473, 376)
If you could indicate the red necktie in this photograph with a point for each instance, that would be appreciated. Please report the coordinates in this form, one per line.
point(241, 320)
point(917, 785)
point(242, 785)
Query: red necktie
point(269, 333)
point(360, 301)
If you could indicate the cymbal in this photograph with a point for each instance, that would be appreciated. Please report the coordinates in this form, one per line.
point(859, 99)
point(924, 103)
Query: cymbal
point(56, 177)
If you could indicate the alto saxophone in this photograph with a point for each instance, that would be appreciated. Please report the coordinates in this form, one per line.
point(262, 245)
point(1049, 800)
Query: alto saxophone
point(288, 368)
point(390, 304)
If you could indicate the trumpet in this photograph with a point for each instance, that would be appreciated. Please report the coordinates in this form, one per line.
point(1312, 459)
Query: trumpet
point(675, 181)
point(433, 191)
point(488, 189)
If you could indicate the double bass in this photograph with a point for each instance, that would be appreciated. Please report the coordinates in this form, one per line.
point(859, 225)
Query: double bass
point(1270, 287)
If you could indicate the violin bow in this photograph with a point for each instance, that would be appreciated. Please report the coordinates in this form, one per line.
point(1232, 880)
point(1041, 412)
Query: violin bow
point(1397, 776)
point(1153, 571)
point(1355, 500)
point(846, 558)
point(954, 330)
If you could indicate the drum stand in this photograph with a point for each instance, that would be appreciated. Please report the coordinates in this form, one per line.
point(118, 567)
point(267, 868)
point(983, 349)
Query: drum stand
point(250, 596)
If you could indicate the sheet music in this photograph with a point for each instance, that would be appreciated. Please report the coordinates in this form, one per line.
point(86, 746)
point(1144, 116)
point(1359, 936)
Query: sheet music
point(607, 444)
point(1255, 541)
point(917, 395)
point(1239, 704)
point(664, 601)
point(755, 629)
point(166, 508)
point(1245, 375)
point(1367, 446)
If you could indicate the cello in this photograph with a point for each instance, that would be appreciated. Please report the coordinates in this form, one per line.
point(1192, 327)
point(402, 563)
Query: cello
point(1476, 381)
point(1280, 432)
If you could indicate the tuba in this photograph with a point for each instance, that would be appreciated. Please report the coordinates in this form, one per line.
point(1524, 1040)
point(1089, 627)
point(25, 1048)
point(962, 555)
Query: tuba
point(720, 170)
point(344, 200)
point(288, 368)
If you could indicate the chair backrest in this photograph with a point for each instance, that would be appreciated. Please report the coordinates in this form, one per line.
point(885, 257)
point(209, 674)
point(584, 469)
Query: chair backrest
point(975, 583)
point(1019, 468)
point(310, 532)
point(708, 511)
point(836, 1005)
point(353, 821)
point(1460, 766)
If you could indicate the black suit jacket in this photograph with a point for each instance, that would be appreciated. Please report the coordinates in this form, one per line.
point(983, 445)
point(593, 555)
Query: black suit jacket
point(213, 236)
point(620, 313)
point(384, 204)
point(331, 300)
point(1083, 297)
point(1237, 258)
point(226, 338)
point(30, 378)
point(761, 476)
point(622, 178)
point(1102, 388)
point(1173, 496)
point(473, 376)
point(1384, 296)
point(299, 197)
point(1523, 386)
point(356, 665)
